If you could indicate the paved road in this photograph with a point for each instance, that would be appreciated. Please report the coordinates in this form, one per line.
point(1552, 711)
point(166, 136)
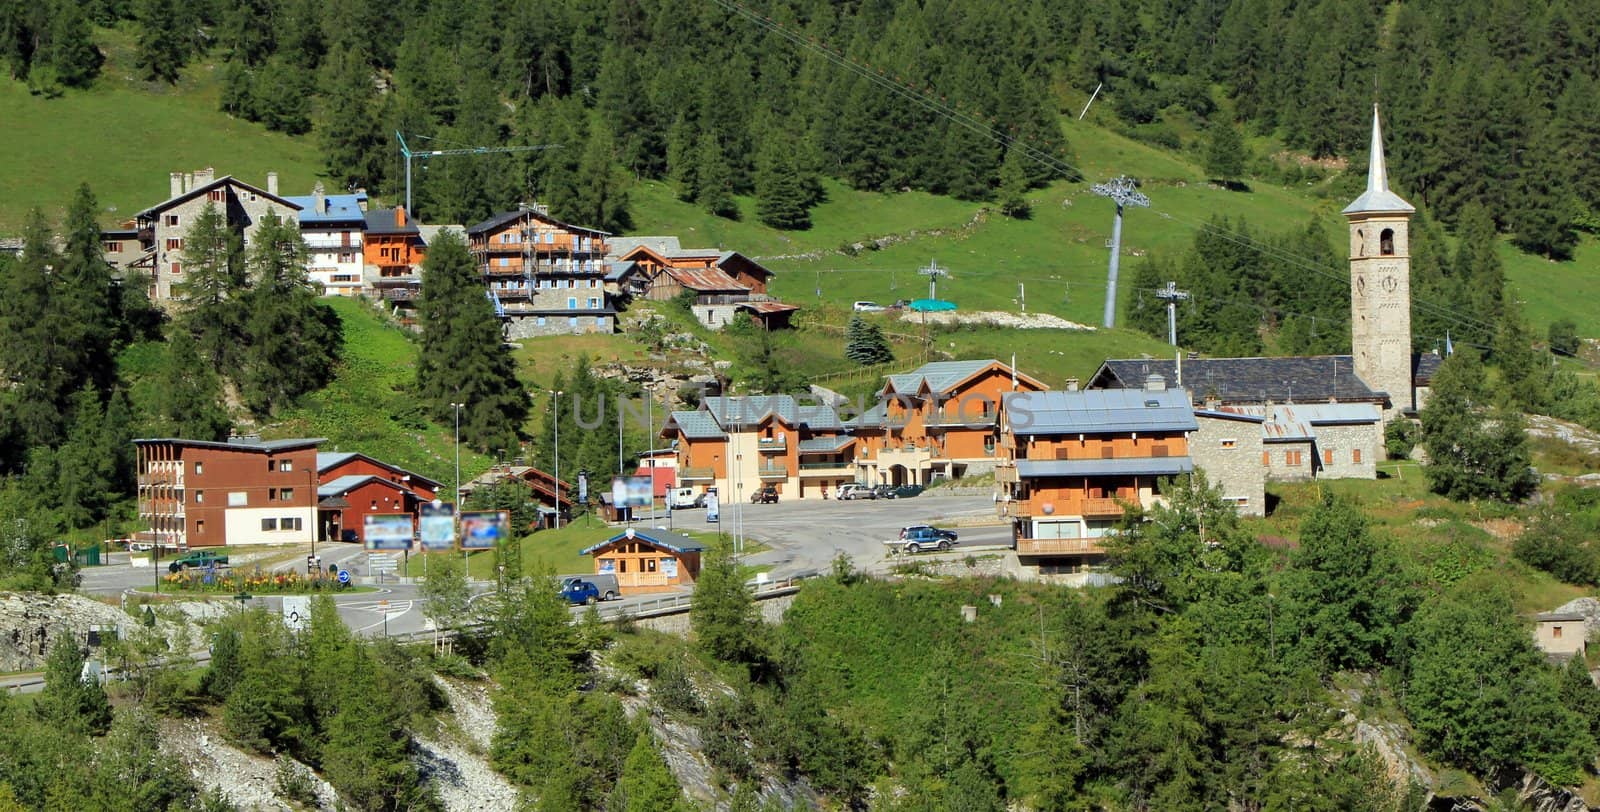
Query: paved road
point(807, 535)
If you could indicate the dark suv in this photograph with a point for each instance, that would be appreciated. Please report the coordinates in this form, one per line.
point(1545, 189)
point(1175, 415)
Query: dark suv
point(766, 496)
point(928, 530)
point(198, 559)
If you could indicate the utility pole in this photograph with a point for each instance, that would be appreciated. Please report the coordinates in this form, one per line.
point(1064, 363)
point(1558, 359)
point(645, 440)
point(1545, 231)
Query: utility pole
point(933, 272)
point(1124, 192)
point(1172, 296)
point(425, 154)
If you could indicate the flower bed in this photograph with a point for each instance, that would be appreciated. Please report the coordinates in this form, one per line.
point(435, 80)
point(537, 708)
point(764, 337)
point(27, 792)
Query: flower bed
point(257, 582)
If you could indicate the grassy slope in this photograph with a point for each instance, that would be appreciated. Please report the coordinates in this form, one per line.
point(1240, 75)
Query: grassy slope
point(124, 136)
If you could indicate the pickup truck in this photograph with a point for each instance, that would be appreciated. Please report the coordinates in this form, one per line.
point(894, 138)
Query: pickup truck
point(198, 559)
point(914, 540)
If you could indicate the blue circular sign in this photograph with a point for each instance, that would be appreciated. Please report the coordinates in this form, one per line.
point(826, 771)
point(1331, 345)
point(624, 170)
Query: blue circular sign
point(344, 576)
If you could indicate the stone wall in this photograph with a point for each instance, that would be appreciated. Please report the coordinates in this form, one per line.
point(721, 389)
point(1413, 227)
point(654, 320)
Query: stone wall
point(1336, 448)
point(1229, 452)
point(520, 327)
point(715, 317)
point(772, 610)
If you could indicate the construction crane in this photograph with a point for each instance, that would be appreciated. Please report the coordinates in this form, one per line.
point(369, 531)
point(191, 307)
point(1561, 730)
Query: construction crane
point(425, 154)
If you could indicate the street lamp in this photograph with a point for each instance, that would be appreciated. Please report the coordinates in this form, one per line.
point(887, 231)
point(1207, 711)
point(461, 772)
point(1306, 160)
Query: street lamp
point(649, 447)
point(458, 407)
point(555, 402)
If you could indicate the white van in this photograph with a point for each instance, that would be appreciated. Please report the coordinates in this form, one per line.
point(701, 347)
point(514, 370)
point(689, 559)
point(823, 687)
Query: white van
point(868, 307)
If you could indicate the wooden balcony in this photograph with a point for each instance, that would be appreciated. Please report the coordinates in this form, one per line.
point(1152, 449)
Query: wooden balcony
point(1005, 474)
point(1059, 547)
point(1101, 508)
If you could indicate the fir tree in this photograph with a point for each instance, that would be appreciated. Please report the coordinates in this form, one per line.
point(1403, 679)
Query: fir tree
point(70, 702)
point(646, 785)
point(190, 402)
point(1342, 603)
point(1540, 211)
point(73, 54)
point(1472, 453)
point(351, 141)
point(86, 470)
point(281, 98)
point(292, 341)
point(214, 280)
point(865, 344)
point(714, 178)
point(781, 197)
point(161, 45)
point(682, 160)
point(238, 91)
point(724, 616)
point(34, 356)
point(1225, 153)
point(463, 359)
point(1013, 191)
point(83, 295)
point(602, 197)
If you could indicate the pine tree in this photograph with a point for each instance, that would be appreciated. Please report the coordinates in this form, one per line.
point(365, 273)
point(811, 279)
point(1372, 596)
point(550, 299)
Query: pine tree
point(1342, 603)
point(463, 359)
point(161, 45)
point(1225, 153)
point(1479, 278)
point(682, 160)
point(602, 197)
point(82, 299)
point(1013, 191)
point(73, 54)
point(190, 402)
point(238, 91)
point(281, 98)
point(1524, 371)
point(33, 354)
point(1540, 211)
point(865, 344)
point(86, 470)
point(292, 341)
point(69, 702)
point(781, 198)
point(715, 178)
point(723, 615)
point(214, 282)
point(351, 141)
point(1473, 453)
point(646, 785)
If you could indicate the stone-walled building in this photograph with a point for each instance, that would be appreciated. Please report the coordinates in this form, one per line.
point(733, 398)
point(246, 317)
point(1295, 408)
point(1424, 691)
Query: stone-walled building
point(1230, 448)
point(546, 277)
point(162, 228)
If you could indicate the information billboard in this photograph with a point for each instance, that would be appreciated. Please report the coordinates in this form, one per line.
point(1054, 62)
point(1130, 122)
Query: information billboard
point(437, 528)
point(631, 491)
point(483, 529)
point(387, 531)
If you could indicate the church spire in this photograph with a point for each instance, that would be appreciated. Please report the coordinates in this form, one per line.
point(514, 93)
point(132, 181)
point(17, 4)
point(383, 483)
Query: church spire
point(1377, 197)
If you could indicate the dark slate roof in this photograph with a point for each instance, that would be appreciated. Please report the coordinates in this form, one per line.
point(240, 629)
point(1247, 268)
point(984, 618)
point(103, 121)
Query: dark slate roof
point(200, 189)
point(382, 221)
point(504, 218)
point(1423, 366)
point(1302, 379)
point(1123, 466)
point(1099, 411)
point(824, 445)
point(695, 424)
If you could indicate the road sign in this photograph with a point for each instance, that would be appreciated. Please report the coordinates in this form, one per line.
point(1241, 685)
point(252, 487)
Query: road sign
point(344, 576)
point(382, 563)
point(296, 611)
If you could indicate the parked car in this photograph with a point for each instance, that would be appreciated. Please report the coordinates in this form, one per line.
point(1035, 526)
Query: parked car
point(766, 496)
point(198, 558)
point(855, 490)
point(907, 491)
point(578, 593)
point(885, 492)
point(605, 583)
point(920, 529)
point(680, 498)
point(916, 539)
point(867, 307)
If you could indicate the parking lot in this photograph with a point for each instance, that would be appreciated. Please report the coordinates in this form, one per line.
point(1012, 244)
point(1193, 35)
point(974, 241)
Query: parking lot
point(806, 535)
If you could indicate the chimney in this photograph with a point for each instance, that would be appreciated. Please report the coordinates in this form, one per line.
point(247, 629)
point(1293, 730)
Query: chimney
point(204, 176)
point(177, 184)
point(399, 216)
point(1072, 384)
point(1155, 383)
point(188, 182)
point(272, 184)
point(320, 200)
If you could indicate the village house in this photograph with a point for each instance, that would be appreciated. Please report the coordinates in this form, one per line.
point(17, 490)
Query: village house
point(647, 561)
point(938, 420)
point(1561, 635)
point(161, 229)
point(1071, 462)
point(392, 250)
point(740, 444)
point(332, 227)
point(198, 493)
point(541, 484)
point(546, 277)
point(1231, 448)
point(725, 284)
point(352, 486)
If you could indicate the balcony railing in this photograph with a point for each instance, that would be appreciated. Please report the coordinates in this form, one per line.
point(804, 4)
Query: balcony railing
point(1101, 508)
point(1059, 547)
point(1005, 474)
point(771, 472)
point(773, 446)
point(827, 466)
point(696, 473)
point(975, 420)
point(401, 294)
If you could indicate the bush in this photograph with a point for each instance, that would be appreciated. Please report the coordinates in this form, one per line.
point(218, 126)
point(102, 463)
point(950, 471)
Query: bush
point(293, 783)
point(1399, 438)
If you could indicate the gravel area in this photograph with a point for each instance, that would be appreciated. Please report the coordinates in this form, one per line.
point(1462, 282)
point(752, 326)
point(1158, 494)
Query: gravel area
point(248, 781)
point(457, 761)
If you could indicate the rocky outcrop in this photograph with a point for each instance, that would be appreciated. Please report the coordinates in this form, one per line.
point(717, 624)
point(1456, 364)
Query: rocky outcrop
point(32, 624)
point(247, 780)
point(456, 761)
point(1535, 795)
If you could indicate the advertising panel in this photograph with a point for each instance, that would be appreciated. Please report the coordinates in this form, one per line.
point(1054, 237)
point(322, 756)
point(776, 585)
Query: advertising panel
point(437, 528)
point(712, 512)
point(630, 491)
point(669, 567)
point(387, 531)
point(483, 529)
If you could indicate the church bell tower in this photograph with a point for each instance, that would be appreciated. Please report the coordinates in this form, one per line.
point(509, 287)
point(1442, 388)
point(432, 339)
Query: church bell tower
point(1380, 284)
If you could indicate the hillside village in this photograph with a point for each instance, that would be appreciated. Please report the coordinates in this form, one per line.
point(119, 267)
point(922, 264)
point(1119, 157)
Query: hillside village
point(635, 474)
